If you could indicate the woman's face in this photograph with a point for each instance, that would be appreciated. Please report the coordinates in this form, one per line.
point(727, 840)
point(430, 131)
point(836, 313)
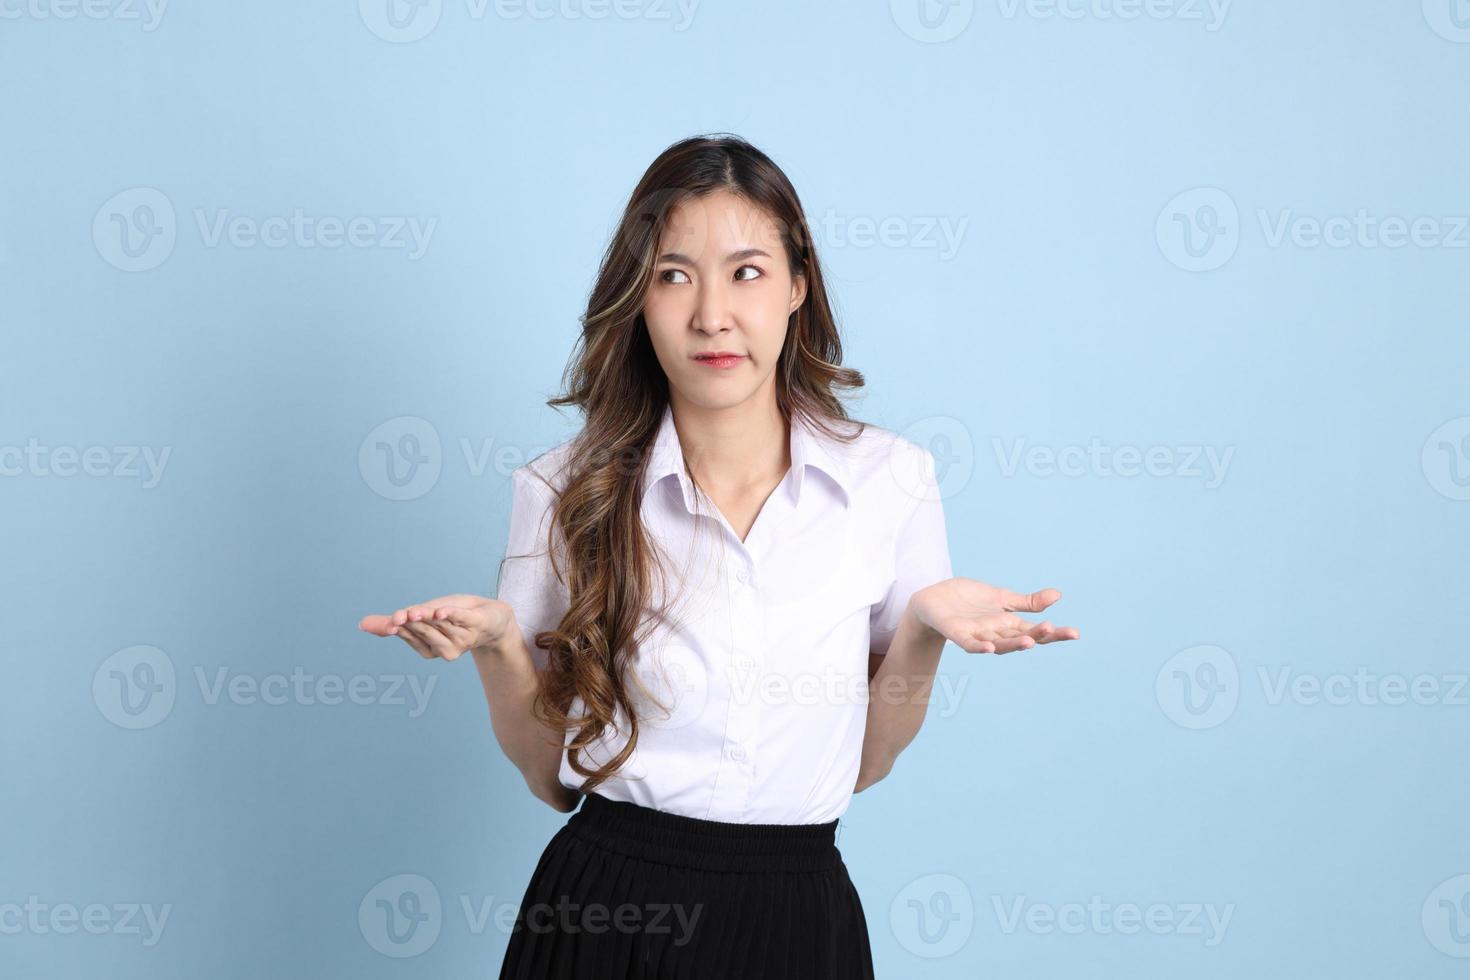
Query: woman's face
point(721, 283)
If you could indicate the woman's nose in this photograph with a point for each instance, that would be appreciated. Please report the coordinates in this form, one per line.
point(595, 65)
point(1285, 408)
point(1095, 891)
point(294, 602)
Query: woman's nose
point(713, 311)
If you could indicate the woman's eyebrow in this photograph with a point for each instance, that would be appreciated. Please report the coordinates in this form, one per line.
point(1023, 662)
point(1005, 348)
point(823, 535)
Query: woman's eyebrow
point(683, 259)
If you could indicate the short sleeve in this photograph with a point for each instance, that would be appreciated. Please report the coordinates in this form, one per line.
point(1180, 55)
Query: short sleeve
point(528, 582)
point(920, 545)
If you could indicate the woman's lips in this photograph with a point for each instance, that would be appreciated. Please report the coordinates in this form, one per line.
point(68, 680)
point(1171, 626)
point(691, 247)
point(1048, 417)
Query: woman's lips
point(725, 361)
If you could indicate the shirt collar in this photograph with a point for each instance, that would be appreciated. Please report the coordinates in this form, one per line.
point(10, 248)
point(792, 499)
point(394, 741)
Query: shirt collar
point(809, 448)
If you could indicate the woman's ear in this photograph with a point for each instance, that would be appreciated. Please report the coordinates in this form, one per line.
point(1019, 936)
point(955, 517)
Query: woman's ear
point(798, 292)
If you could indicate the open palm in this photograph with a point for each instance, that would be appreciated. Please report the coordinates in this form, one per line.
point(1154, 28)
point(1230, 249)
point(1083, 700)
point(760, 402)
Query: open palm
point(981, 618)
point(444, 627)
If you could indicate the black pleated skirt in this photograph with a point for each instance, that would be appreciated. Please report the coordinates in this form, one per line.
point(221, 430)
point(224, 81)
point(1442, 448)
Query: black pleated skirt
point(625, 891)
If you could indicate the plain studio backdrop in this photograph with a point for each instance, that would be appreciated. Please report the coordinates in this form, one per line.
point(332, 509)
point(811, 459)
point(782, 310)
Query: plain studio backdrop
point(1175, 291)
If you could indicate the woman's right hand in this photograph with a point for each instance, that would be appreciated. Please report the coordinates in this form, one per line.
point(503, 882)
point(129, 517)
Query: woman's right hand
point(447, 626)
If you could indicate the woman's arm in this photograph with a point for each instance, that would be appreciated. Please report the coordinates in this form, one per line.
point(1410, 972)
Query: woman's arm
point(979, 618)
point(509, 678)
point(898, 696)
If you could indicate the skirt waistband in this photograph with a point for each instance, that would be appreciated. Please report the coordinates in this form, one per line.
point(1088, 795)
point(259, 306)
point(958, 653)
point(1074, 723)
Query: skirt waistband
point(712, 845)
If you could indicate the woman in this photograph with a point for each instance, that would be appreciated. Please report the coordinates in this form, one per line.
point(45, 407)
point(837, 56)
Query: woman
point(722, 603)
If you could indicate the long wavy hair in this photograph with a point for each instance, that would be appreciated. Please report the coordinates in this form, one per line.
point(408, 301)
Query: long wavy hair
point(615, 379)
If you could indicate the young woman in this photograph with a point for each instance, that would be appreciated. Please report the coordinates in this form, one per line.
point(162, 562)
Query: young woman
point(722, 603)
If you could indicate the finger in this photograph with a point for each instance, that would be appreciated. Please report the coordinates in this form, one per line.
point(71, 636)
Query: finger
point(1014, 643)
point(373, 624)
point(455, 636)
point(434, 639)
point(978, 645)
point(456, 616)
point(431, 638)
point(1028, 602)
point(1005, 629)
point(418, 645)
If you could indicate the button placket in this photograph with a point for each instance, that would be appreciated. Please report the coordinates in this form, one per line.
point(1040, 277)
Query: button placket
point(747, 621)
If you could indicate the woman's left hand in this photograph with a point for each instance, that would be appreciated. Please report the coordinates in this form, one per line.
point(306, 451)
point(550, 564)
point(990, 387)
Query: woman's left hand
point(981, 618)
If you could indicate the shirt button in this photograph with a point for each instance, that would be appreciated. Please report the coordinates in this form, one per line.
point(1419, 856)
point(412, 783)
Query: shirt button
point(742, 576)
point(738, 754)
point(745, 663)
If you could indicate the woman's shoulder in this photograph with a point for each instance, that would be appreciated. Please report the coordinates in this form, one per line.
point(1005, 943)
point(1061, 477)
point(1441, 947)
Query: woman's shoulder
point(881, 459)
point(546, 473)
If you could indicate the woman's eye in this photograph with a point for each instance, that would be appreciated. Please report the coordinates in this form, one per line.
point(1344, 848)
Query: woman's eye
point(752, 268)
point(672, 272)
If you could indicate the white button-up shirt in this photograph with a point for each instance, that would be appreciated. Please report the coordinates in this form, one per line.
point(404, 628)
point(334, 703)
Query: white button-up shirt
point(752, 701)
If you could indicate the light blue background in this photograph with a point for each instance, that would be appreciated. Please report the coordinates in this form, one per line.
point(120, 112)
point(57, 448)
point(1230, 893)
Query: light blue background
point(1333, 834)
